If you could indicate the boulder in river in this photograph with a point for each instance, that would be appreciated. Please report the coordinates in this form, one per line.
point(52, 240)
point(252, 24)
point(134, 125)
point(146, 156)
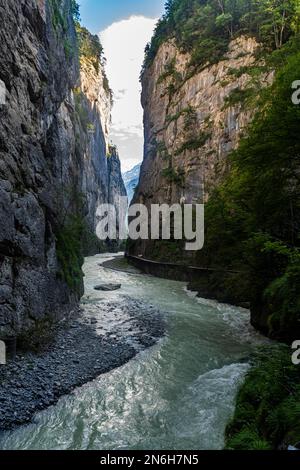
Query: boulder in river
point(107, 287)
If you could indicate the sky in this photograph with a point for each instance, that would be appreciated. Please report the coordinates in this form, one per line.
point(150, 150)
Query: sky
point(99, 14)
point(124, 27)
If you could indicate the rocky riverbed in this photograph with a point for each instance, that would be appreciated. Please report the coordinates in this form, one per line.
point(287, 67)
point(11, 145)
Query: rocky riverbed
point(100, 336)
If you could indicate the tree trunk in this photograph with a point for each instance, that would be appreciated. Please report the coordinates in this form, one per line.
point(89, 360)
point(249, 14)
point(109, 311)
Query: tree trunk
point(282, 28)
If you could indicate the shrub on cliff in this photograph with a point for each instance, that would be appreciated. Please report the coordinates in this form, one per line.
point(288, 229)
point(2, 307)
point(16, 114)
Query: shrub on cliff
point(253, 218)
point(70, 253)
point(267, 414)
point(59, 15)
point(205, 28)
point(90, 47)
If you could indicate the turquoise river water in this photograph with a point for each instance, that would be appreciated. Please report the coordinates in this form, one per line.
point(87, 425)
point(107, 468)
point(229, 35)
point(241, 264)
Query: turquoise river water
point(176, 395)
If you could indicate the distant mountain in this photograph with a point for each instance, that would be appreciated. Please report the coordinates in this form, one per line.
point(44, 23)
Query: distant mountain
point(131, 179)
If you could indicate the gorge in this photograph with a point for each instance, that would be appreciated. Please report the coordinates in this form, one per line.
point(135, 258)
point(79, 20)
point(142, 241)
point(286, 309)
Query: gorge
point(202, 89)
point(159, 365)
point(221, 127)
point(55, 162)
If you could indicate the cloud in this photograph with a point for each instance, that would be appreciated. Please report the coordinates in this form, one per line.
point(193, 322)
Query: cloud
point(124, 43)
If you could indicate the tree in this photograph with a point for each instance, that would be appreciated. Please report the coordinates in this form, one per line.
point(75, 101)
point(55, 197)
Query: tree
point(225, 20)
point(278, 20)
point(196, 23)
point(75, 11)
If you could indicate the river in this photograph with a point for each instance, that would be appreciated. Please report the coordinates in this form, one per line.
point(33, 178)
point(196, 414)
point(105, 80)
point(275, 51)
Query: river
point(176, 395)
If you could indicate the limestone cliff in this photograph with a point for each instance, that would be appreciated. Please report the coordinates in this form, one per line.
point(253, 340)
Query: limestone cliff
point(117, 190)
point(53, 167)
point(193, 120)
point(101, 176)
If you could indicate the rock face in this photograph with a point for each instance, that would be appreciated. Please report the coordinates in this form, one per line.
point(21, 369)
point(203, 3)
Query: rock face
point(53, 165)
point(191, 124)
point(116, 184)
point(101, 176)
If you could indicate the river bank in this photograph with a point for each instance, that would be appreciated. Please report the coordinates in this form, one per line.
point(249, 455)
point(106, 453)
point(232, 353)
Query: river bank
point(178, 394)
point(95, 339)
point(267, 414)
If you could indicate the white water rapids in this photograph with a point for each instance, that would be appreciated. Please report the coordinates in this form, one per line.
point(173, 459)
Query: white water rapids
point(176, 395)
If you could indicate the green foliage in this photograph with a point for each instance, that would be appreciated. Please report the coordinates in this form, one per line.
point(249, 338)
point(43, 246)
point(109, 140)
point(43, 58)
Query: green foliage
point(112, 149)
point(173, 176)
point(175, 78)
point(248, 439)
point(91, 243)
point(205, 27)
point(239, 72)
point(208, 51)
point(69, 237)
point(174, 117)
point(161, 250)
point(90, 48)
point(163, 151)
point(69, 49)
point(58, 16)
point(238, 96)
point(69, 252)
point(190, 119)
point(282, 295)
point(91, 128)
point(268, 404)
point(256, 211)
point(107, 87)
point(81, 108)
point(170, 70)
point(75, 10)
point(194, 143)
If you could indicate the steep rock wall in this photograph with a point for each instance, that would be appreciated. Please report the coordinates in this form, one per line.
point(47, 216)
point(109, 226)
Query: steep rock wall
point(101, 173)
point(192, 123)
point(117, 190)
point(53, 169)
